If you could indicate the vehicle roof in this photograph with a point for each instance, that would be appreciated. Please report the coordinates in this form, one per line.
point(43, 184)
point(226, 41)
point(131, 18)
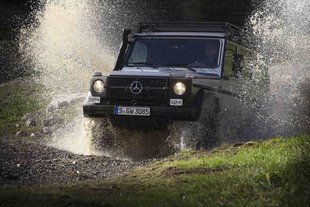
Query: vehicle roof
point(181, 34)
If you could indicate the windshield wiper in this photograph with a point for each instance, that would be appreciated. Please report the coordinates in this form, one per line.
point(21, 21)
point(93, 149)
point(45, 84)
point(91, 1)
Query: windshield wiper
point(141, 63)
point(175, 64)
point(190, 68)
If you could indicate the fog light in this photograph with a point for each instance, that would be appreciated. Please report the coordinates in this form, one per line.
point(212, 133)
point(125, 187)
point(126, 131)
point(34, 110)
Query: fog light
point(98, 86)
point(179, 88)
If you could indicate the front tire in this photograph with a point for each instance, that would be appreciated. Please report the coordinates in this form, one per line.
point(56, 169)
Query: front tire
point(113, 141)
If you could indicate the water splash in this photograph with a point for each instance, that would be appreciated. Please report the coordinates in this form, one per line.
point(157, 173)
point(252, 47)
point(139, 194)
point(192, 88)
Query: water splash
point(74, 138)
point(70, 39)
point(67, 41)
point(281, 31)
point(65, 45)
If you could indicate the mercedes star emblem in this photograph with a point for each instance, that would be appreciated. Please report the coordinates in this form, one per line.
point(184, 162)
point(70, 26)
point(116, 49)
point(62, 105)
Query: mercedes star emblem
point(136, 87)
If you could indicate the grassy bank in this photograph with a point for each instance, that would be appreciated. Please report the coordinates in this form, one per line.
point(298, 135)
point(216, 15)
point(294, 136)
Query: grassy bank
point(23, 99)
point(18, 98)
point(267, 173)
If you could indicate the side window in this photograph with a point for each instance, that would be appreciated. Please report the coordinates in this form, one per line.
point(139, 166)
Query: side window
point(139, 53)
point(229, 60)
point(235, 58)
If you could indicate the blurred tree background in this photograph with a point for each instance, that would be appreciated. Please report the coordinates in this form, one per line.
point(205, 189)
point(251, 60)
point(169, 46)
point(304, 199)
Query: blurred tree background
point(233, 11)
point(12, 15)
point(15, 13)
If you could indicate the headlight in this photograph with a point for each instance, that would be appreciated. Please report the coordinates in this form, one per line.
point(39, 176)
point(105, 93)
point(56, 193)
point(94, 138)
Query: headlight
point(98, 86)
point(179, 88)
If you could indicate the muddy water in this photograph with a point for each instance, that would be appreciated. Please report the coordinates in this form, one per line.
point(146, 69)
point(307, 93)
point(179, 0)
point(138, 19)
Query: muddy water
point(70, 39)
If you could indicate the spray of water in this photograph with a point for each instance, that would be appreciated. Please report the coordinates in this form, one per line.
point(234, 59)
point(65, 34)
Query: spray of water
point(65, 45)
point(70, 39)
point(66, 42)
point(282, 38)
point(279, 30)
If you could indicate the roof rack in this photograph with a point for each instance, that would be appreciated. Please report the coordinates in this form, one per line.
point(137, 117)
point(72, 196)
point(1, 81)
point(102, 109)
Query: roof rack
point(233, 32)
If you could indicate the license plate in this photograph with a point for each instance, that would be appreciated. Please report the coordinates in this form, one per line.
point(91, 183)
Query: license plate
point(132, 111)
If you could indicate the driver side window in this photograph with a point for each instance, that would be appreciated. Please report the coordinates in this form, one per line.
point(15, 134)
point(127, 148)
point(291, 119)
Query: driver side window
point(139, 53)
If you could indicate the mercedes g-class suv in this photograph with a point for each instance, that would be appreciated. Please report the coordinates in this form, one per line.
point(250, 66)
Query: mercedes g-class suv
point(164, 69)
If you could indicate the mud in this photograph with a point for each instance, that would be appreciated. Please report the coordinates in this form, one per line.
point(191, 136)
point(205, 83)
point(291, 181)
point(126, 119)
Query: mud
point(31, 163)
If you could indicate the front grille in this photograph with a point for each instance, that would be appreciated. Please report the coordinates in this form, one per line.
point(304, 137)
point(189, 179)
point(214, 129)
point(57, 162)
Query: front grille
point(153, 88)
point(146, 82)
point(134, 102)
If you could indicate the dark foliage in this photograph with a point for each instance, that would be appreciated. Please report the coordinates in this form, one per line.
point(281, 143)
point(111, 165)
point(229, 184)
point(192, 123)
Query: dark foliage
point(15, 13)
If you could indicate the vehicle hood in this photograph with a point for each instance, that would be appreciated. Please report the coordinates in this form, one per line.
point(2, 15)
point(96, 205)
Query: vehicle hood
point(152, 72)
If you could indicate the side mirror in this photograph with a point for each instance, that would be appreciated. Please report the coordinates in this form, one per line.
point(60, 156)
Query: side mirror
point(238, 63)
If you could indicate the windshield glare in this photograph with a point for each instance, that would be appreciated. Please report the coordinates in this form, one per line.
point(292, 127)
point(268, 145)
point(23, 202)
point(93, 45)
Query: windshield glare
point(194, 53)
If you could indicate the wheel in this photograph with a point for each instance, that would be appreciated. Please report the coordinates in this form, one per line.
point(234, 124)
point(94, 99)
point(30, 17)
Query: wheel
point(110, 140)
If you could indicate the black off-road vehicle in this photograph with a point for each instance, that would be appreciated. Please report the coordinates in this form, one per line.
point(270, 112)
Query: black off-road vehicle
point(164, 69)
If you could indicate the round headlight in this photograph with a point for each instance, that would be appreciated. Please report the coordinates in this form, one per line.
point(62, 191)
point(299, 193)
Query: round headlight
point(179, 88)
point(98, 86)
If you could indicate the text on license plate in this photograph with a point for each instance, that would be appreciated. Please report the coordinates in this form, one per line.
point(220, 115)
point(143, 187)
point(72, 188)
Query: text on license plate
point(132, 111)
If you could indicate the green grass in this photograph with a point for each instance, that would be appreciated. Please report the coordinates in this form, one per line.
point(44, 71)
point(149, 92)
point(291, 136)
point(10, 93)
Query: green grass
point(265, 173)
point(17, 99)
point(23, 96)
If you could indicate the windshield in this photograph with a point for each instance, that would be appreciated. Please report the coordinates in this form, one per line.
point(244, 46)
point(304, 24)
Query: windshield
point(190, 53)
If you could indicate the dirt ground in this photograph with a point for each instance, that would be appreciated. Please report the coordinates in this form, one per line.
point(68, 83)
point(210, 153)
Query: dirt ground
point(32, 163)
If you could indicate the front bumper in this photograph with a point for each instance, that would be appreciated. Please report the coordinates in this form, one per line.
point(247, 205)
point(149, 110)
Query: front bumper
point(92, 108)
point(175, 113)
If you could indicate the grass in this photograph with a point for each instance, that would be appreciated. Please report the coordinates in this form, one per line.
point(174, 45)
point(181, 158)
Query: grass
point(23, 96)
point(17, 99)
point(265, 173)
point(275, 172)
